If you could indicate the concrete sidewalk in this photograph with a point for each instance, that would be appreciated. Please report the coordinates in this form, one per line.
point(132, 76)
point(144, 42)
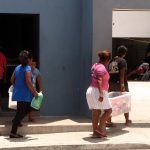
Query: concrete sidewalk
point(136, 136)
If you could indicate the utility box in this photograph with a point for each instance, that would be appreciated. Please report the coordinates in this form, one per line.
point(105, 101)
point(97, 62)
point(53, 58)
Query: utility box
point(121, 102)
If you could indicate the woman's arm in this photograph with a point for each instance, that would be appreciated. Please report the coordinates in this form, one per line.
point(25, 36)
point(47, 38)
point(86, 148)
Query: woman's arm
point(100, 89)
point(29, 83)
point(39, 82)
point(12, 80)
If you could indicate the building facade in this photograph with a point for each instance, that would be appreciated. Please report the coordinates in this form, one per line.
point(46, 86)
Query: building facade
point(68, 33)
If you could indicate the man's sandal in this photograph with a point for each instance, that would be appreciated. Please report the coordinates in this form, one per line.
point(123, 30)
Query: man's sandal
point(128, 122)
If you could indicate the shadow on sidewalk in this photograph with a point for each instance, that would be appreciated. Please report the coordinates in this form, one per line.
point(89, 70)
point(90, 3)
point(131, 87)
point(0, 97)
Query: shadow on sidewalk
point(116, 132)
point(120, 129)
point(134, 125)
point(24, 139)
point(140, 125)
point(45, 120)
point(111, 132)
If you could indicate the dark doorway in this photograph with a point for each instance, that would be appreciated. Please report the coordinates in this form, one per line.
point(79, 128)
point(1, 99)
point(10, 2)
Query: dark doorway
point(17, 32)
point(135, 56)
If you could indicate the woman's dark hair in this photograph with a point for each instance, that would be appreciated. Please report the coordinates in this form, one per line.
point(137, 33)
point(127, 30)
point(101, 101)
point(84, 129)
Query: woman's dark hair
point(121, 50)
point(24, 56)
point(104, 55)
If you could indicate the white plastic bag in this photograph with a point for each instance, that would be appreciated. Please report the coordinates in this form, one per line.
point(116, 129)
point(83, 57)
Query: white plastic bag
point(11, 104)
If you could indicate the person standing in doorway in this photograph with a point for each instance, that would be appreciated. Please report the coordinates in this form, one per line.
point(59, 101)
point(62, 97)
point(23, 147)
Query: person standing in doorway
point(118, 79)
point(37, 83)
point(3, 71)
point(23, 90)
point(97, 94)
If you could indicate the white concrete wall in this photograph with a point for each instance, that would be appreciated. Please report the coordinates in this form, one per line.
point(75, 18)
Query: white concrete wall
point(131, 23)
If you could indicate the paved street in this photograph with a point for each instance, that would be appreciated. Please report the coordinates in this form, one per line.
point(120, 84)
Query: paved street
point(136, 136)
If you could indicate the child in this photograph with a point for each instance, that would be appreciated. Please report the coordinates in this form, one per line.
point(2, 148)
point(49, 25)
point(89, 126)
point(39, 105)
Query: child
point(37, 83)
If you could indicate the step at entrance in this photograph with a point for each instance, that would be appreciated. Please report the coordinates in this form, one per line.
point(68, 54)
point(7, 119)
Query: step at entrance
point(44, 125)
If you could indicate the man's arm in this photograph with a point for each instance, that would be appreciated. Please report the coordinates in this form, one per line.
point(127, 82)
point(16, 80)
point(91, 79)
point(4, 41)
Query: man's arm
point(100, 89)
point(121, 80)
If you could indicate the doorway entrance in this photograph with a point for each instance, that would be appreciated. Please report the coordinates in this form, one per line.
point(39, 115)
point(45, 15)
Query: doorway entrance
point(17, 32)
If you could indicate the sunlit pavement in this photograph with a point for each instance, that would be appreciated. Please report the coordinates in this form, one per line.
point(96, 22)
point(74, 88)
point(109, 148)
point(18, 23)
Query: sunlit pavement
point(135, 136)
point(140, 92)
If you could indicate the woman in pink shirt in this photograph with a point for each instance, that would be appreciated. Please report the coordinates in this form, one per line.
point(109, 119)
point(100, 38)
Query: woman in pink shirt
point(97, 94)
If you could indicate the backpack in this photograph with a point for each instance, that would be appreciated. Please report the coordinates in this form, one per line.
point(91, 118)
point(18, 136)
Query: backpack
point(113, 66)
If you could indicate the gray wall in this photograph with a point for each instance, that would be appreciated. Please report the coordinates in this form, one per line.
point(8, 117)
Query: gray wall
point(102, 20)
point(65, 50)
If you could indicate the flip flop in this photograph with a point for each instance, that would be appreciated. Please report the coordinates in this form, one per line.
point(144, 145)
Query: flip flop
point(100, 133)
point(94, 135)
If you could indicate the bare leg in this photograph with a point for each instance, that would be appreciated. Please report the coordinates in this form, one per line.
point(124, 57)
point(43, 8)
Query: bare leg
point(95, 119)
point(109, 120)
point(109, 123)
point(127, 120)
point(30, 116)
point(103, 120)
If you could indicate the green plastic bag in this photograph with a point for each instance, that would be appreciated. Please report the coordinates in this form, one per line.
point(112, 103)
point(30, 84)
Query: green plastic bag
point(36, 101)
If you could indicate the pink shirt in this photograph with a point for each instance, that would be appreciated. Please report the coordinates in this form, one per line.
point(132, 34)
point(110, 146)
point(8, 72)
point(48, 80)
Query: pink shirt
point(99, 70)
point(2, 63)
